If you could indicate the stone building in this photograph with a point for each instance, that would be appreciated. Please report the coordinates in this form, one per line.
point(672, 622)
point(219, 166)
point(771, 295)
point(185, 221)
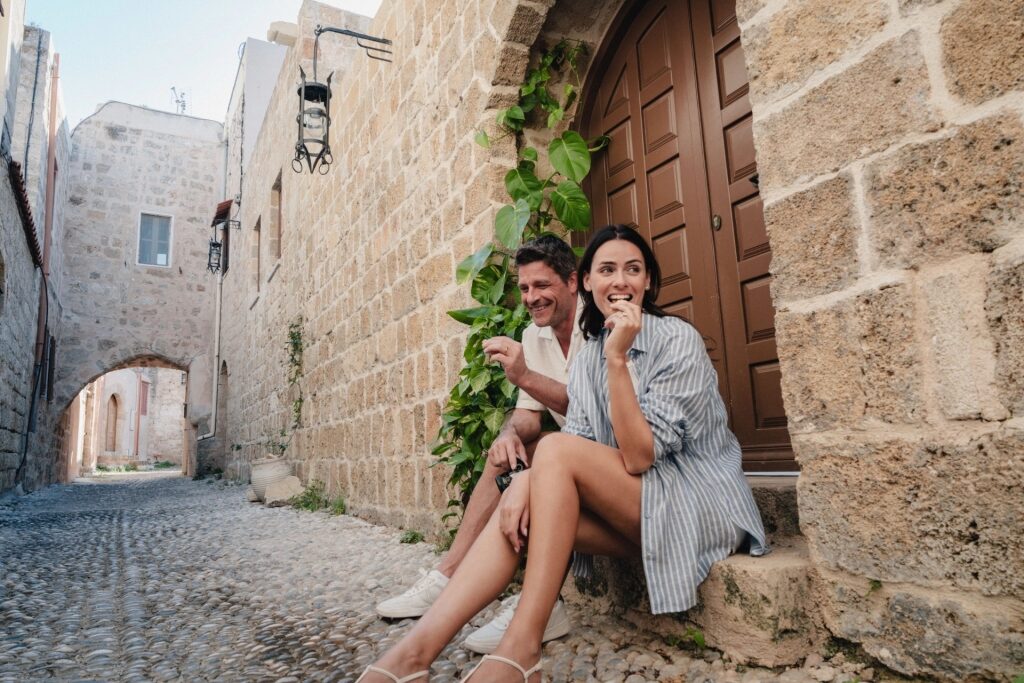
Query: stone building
point(136, 242)
point(835, 188)
point(35, 148)
point(132, 415)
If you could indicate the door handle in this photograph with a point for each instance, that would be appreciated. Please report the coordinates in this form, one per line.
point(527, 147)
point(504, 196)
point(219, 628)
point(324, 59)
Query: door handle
point(716, 222)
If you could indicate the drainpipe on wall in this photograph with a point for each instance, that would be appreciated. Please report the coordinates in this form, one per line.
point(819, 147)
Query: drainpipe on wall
point(216, 324)
point(216, 361)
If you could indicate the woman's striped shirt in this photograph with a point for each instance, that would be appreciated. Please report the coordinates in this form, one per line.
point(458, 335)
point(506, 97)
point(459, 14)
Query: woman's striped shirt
point(694, 496)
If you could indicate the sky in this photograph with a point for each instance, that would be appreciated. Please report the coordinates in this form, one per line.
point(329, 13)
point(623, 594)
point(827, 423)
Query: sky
point(135, 51)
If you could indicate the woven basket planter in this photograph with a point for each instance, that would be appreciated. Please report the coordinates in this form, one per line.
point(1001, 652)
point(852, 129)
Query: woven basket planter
point(266, 472)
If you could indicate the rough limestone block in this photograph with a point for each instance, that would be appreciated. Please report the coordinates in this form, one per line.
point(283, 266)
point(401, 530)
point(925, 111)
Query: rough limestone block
point(961, 348)
point(821, 368)
point(921, 630)
point(891, 365)
point(834, 123)
point(761, 609)
point(857, 359)
point(982, 45)
point(921, 512)
point(280, 492)
point(963, 193)
point(803, 38)
point(1004, 307)
point(758, 610)
point(814, 240)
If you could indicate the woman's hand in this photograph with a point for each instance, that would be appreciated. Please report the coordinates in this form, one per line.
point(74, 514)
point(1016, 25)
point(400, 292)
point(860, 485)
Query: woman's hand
point(514, 511)
point(625, 325)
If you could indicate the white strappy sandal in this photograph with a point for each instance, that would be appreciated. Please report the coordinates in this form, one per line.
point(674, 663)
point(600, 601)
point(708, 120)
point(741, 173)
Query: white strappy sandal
point(393, 677)
point(525, 672)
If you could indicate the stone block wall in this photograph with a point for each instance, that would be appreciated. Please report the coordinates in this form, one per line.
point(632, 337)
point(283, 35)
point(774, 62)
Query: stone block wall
point(368, 252)
point(890, 141)
point(19, 305)
point(128, 160)
point(167, 398)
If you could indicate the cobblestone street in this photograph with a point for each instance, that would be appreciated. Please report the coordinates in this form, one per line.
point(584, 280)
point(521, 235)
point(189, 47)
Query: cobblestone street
point(156, 577)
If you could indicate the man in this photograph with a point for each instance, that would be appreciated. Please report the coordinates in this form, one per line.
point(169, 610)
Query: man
point(546, 271)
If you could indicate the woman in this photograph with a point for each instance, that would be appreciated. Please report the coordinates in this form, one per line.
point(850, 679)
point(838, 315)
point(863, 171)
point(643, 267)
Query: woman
point(645, 464)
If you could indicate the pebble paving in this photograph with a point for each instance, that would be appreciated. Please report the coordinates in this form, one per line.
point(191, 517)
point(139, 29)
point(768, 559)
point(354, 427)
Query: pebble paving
point(155, 577)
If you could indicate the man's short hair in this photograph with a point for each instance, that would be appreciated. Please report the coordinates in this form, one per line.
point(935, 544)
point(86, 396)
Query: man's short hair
point(553, 251)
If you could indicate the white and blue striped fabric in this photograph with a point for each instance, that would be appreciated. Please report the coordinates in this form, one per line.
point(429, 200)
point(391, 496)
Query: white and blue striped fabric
point(694, 497)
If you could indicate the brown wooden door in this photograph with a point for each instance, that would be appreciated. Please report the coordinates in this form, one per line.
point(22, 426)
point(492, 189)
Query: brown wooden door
point(670, 92)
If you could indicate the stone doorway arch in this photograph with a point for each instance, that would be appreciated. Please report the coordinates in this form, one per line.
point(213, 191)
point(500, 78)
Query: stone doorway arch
point(99, 422)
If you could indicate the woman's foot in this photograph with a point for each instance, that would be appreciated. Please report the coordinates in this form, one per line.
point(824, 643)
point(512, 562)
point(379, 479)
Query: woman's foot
point(400, 665)
point(496, 671)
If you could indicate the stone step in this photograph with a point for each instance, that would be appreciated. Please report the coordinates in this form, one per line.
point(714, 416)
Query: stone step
point(757, 610)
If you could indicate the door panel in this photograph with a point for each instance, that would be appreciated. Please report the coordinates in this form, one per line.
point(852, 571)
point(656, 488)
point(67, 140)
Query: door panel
point(742, 252)
point(672, 97)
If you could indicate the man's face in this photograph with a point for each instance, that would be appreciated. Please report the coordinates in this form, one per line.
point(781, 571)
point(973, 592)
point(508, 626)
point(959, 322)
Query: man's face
point(548, 299)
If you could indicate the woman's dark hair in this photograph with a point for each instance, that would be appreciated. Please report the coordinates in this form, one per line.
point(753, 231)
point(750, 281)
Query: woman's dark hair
point(554, 252)
point(592, 320)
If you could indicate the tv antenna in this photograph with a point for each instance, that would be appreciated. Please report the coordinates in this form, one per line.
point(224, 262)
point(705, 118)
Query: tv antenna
point(179, 100)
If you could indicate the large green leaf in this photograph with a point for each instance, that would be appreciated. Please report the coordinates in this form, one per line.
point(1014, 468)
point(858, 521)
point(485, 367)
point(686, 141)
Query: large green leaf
point(510, 222)
point(521, 183)
point(480, 290)
point(513, 118)
point(571, 205)
point(467, 316)
point(472, 264)
point(569, 155)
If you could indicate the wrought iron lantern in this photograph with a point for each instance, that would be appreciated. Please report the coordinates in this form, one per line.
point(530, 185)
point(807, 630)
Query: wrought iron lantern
point(213, 258)
point(313, 147)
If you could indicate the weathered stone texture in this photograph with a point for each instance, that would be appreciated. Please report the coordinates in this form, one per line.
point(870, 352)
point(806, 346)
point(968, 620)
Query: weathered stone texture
point(924, 512)
point(1004, 307)
point(983, 48)
point(960, 344)
point(803, 38)
point(126, 161)
point(19, 302)
point(814, 238)
point(939, 199)
point(918, 630)
point(835, 123)
point(853, 361)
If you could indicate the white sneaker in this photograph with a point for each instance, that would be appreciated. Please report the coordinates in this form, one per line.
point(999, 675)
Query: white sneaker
point(486, 638)
point(417, 600)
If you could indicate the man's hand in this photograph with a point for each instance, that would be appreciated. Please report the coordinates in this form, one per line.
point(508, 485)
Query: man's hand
point(506, 449)
point(509, 353)
point(514, 511)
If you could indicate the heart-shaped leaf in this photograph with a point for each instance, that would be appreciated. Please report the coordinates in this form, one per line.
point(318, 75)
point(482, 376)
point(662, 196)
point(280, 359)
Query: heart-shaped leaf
point(521, 183)
point(510, 222)
point(571, 206)
point(472, 264)
point(569, 155)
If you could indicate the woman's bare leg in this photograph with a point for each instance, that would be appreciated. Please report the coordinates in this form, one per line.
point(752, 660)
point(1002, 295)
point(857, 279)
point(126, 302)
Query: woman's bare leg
point(486, 571)
point(568, 473)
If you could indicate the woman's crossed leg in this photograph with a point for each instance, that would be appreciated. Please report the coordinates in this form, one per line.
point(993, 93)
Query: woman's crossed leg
point(582, 498)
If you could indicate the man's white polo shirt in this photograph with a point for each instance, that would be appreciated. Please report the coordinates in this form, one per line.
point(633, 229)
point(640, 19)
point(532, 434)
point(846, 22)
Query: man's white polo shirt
point(543, 354)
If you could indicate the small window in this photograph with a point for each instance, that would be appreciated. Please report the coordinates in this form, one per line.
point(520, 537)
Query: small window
point(256, 253)
point(277, 216)
point(154, 240)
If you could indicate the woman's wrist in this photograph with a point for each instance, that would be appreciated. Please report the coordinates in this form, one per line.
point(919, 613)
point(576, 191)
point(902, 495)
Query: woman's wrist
point(615, 360)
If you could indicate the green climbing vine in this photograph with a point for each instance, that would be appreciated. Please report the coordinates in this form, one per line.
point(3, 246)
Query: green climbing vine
point(552, 202)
